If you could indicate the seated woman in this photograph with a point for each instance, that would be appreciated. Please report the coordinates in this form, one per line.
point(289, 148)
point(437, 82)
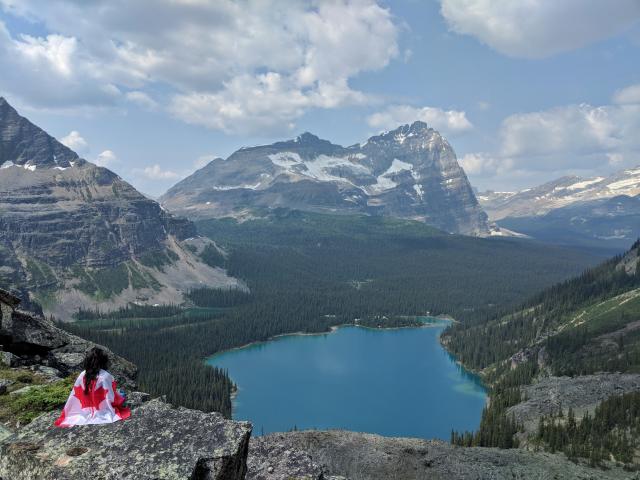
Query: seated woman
point(95, 398)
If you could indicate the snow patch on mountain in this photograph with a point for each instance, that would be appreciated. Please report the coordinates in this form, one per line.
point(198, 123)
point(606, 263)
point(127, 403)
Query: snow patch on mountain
point(559, 193)
point(584, 184)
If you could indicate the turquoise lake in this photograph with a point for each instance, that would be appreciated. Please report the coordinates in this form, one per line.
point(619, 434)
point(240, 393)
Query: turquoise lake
point(391, 382)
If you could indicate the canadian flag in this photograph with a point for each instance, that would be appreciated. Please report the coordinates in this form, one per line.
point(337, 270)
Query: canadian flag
point(103, 404)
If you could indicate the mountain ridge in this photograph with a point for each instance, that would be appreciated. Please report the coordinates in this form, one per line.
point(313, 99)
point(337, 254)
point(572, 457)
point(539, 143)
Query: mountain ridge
point(601, 212)
point(559, 193)
point(76, 234)
point(410, 172)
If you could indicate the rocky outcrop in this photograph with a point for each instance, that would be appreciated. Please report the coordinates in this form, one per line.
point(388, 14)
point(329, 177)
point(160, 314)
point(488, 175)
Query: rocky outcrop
point(582, 394)
point(28, 340)
point(273, 458)
point(410, 172)
point(77, 235)
point(360, 456)
point(157, 442)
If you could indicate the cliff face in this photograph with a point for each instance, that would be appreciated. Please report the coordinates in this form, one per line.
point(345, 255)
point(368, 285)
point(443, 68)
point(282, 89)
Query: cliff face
point(69, 227)
point(411, 172)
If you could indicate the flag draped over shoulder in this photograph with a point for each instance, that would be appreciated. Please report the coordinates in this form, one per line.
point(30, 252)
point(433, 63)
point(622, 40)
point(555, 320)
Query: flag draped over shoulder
point(103, 404)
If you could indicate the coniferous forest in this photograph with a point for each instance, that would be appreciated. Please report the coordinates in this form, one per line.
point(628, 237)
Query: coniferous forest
point(612, 431)
point(577, 327)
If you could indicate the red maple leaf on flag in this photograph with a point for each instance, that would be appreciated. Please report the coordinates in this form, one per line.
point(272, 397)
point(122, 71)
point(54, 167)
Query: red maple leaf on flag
point(93, 400)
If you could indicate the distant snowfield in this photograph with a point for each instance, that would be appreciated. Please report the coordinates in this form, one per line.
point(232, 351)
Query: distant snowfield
point(544, 198)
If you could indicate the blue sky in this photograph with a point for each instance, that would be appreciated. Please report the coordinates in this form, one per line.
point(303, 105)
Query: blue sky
point(525, 91)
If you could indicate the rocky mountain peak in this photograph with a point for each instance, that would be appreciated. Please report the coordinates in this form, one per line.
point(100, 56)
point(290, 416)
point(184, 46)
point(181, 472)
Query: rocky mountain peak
point(307, 143)
point(24, 144)
point(409, 172)
point(417, 135)
point(307, 137)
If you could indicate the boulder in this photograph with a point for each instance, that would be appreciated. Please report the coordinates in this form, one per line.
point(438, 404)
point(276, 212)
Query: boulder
point(157, 442)
point(49, 374)
point(9, 359)
point(31, 334)
point(271, 458)
point(32, 340)
point(4, 384)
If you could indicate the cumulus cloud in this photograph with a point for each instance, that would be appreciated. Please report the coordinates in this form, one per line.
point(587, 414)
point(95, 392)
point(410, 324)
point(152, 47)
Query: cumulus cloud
point(288, 55)
point(570, 138)
point(574, 135)
point(535, 29)
point(484, 164)
point(50, 71)
point(156, 172)
point(265, 102)
point(630, 94)
point(447, 121)
point(106, 159)
point(75, 142)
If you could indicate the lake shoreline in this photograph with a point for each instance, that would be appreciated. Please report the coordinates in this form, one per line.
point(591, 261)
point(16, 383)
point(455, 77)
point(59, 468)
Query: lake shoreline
point(333, 329)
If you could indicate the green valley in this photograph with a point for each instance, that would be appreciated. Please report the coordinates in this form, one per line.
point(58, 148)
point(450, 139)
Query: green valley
point(307, 272)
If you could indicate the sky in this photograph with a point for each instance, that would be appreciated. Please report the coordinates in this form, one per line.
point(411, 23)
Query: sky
point(525, 91)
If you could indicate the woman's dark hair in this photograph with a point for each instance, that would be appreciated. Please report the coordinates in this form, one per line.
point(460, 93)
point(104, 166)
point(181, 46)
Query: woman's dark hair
point(95, 360)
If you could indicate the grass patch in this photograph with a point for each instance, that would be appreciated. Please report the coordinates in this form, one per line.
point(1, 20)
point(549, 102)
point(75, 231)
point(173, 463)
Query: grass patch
point(104, 282)
point(158, 259)
point(37, 401)
point(142, 279)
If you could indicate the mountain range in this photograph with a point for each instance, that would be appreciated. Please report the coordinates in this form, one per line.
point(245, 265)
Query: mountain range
point(74, 234)
point(601, 211)
point(410, 173)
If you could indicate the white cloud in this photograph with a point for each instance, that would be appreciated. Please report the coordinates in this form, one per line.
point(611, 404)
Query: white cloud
point(75, 142)
point(571, 136)
point(259, 103)
point(630, 94)
point(582, 139)
point(447, 121)
point(539, 28)
point(290, 55)
point(156, 172)
point(141, 99)
point(106, 159)
point(484, 164)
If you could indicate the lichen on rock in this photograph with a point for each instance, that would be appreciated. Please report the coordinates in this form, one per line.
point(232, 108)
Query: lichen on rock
point(157, 442)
